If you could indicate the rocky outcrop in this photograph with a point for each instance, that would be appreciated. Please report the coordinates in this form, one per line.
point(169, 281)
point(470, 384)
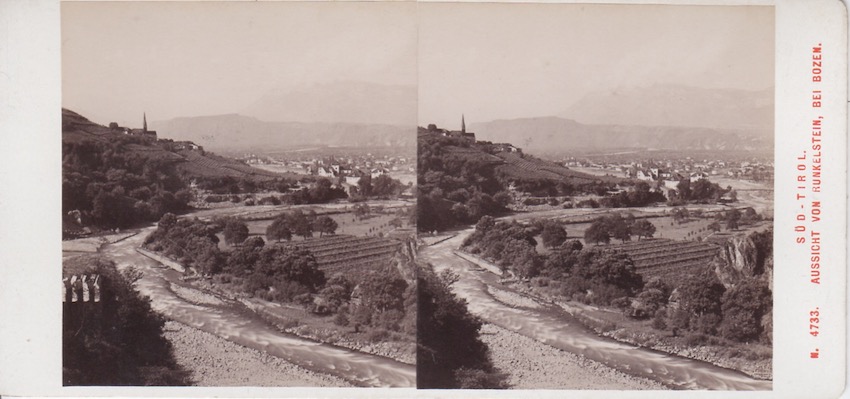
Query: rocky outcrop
point(746, 256)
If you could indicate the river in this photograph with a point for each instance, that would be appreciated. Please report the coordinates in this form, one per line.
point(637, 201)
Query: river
point(565, 333)
point(359, 368)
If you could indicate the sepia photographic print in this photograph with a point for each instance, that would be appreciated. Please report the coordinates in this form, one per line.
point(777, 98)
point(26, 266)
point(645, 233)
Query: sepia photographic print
point(596, 187)
point(237, 194)
point(420, 199)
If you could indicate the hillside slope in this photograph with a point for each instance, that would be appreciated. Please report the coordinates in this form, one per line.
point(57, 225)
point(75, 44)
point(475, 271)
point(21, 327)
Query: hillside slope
point(112, 179)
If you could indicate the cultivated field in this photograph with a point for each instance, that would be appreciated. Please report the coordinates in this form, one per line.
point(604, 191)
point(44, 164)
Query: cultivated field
point(668, 259)
point(349, 254)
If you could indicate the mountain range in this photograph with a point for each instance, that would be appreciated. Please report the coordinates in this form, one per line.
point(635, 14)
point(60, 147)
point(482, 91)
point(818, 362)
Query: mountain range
point(239, 132)
point(677, 105)
point(346, 101)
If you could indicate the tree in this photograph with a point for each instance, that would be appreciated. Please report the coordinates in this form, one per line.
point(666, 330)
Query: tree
point(732, 218)
point(448, 341)
point(335, 294)
point(122, 343)
point(701, 294)
point(684, 189)
point(553, 235)
point(619, 228)
point(300, 224)
point(167, 220)
point(644, 228)
point(485, 224)
point(714, 226)
point(279, 229)
point(680, 215)
point(364, 185)
point(361, 211)
point(597, 232)
point(235, 232)
point(743, 307)
point(384, 185)
point(325, 225)
point(295, 265)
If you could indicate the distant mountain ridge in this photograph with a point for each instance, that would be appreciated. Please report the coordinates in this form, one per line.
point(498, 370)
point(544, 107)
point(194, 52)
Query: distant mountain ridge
point(347, 101)
point(677, 105)
point(545, 134)
point(239, 132)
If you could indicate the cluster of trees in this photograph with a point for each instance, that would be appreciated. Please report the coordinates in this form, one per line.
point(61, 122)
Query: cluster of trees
point(107, 184)
point(281, 273)
point(639, 195)
point(322, 191)
point(450, 353)
point(243, 185)
point(301, 224)
point(382, 186)
point(731, 219)
point(191, 242)
point(592, 275)
point(705, 307)
point(123, 344)
point(700, 191)
point(454, 188)
point(381, 299)
point(615, 226)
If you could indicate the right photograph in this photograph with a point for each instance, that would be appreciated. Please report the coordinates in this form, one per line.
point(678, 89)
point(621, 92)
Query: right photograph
point(595, 195)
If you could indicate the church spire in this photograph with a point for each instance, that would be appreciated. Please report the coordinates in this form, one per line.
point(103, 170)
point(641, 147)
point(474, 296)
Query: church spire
point(462, 124)
point(144, 122)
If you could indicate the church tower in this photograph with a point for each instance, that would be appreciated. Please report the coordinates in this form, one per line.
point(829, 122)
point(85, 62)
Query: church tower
point(144, 122)
point(462, 124)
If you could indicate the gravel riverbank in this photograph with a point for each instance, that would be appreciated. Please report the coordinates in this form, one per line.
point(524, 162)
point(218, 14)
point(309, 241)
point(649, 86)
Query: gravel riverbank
point(534, 365)
point(214, 361)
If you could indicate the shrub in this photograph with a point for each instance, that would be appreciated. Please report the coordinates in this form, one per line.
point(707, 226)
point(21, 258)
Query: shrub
point(378, 335)
point(341, 319)
point(659, 320)
point(388, 320)
point(696, 339)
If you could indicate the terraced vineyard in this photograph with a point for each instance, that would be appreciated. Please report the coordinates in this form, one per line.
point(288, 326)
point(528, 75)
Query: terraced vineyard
point(211, 165)
point(349, 254)
point(668, 259)
point(534, 168)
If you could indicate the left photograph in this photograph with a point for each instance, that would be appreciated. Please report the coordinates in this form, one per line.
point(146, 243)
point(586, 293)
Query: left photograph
point(238, 194)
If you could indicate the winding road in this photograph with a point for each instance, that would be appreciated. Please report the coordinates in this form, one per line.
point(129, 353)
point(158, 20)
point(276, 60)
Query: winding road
point(359, 368)
point(566, 334)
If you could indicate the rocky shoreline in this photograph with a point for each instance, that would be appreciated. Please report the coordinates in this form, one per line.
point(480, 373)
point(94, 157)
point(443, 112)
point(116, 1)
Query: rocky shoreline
point(207, 294)
point(534, 365)
point(757, 368)
point(214, 361)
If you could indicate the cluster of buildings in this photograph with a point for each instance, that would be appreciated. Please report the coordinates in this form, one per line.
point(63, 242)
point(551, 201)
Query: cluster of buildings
point(143, 132)
point(677, 170)
point(461, 134)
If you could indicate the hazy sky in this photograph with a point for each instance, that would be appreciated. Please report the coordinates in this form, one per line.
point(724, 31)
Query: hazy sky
point(189, 58)
point(487, 60)
point(501, 61)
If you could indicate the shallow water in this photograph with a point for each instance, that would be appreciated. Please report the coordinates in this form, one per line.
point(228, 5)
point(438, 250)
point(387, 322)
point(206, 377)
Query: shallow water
point(565, 333)
point(358, 368)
